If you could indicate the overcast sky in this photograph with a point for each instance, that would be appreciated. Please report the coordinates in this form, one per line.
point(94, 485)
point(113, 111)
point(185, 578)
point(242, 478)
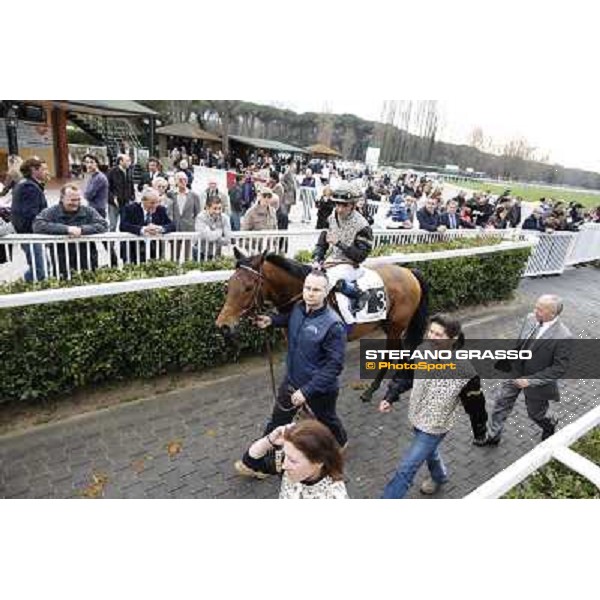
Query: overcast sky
point(567, 131)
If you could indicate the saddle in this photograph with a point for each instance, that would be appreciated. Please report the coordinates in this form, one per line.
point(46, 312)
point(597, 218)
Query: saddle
point(375, 308)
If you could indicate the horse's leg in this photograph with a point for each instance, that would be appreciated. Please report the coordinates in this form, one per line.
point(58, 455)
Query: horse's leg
point(367, 395)
point(393, 342)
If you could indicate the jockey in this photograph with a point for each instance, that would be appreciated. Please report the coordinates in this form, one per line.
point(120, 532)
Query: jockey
point(350, 239)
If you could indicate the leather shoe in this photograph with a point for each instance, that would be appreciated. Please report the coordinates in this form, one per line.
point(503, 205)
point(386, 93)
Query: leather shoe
point(551, 430)
point(487, 441)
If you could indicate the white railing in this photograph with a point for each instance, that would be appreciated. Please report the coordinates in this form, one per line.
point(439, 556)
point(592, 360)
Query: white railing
point(586, 245)
point(196, 277)
point(59, 256)
point(554, 448)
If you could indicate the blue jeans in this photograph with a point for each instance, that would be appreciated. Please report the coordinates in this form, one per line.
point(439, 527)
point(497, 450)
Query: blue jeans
point(35, 251)
point(424, 448)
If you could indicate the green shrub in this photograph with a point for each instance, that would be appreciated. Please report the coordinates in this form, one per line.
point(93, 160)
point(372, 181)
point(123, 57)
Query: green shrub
point(556, 481)
point(51, 349)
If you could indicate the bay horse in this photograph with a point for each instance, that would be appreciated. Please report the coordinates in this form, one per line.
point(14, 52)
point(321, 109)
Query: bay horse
point(271, 278)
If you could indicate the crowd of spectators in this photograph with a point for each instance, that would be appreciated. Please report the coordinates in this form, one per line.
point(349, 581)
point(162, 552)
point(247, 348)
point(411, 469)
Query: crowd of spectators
point(264, 191)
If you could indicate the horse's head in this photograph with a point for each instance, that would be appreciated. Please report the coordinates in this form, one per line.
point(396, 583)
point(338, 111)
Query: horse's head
point(243, 292)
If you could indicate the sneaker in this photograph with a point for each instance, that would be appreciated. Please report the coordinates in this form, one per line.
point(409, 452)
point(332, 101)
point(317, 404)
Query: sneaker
point(245, 471)
point(429, 486)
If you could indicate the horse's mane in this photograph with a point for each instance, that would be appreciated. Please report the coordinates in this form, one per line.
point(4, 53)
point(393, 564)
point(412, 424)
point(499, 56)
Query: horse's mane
point(292, 267)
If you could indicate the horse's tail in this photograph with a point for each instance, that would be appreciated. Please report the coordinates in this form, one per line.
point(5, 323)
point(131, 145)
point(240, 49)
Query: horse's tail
point(416, 328)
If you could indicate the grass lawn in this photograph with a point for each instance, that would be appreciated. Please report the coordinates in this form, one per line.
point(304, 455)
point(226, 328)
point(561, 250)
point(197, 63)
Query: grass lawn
point(555, 481)
point(534, 193)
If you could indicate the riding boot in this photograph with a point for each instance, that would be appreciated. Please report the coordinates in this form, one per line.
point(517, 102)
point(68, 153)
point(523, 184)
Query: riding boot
point(352, 291)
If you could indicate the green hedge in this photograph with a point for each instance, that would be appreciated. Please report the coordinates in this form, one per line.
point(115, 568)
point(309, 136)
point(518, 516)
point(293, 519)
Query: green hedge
point(556, 481)
point(51, 349)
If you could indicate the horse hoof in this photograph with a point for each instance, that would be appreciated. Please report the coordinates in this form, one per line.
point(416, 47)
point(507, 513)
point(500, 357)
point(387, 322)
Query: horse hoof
point(366, 397)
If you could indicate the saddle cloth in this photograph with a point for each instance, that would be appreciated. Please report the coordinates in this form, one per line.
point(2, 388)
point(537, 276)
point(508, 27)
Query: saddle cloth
point(376, 307)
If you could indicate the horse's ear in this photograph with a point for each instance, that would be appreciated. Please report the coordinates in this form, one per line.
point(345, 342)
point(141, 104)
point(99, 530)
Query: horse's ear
point(239, 255)
point(263, 256)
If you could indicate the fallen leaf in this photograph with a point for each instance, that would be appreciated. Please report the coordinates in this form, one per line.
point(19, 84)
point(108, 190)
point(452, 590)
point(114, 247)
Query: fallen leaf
point(174, 448)
point(359, 385)
point(138, 465)
point(96, 488)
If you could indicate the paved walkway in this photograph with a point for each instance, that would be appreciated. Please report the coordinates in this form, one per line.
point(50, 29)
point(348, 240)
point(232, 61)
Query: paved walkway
point(123, 452)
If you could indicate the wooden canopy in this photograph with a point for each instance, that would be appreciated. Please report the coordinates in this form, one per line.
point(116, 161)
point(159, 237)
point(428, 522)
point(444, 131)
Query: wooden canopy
point(323, 150)
point(187, 130)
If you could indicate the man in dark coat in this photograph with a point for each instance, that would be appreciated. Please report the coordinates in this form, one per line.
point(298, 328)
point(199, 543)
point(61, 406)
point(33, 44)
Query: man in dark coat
point(154, 171)
point(148, 219)
point(315, 359)
point(120, 188)
point(428, 217)
point(28, 201)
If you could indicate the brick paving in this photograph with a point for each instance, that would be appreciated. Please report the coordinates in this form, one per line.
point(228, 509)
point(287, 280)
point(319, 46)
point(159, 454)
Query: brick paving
point(121, 452)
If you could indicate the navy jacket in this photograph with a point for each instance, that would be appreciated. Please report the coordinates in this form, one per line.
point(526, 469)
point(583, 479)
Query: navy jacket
point(460, 223)
point(316, 349)
point(28, 201)
point(427, 221)
point(132, 219)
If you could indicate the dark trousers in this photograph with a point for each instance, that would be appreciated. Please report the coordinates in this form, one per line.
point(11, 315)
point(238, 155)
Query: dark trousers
point(473, 401)
point(322, 405)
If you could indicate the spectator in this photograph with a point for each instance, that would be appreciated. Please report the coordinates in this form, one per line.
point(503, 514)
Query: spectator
point(184, 168)
point(290, 187)
point(214, 229)
point(534, 221)
point(465, 215)
point(120, 189)
point(13, 175)
point(283, 209)
point(28, 201)
point(428, 217)
point(249, 192)
point(183, 205)
point(308, 180)
point(514, 213)
point(154, 170)
point(325, 206)
point(213, 191)
point(70, 218)
point(148, 219)
point(236, 202)
point(96, 190)
point(481, 211)
point(361, 208)
point(451, 219)
point(262, 215)
point(161, 185)
point(312, 461)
